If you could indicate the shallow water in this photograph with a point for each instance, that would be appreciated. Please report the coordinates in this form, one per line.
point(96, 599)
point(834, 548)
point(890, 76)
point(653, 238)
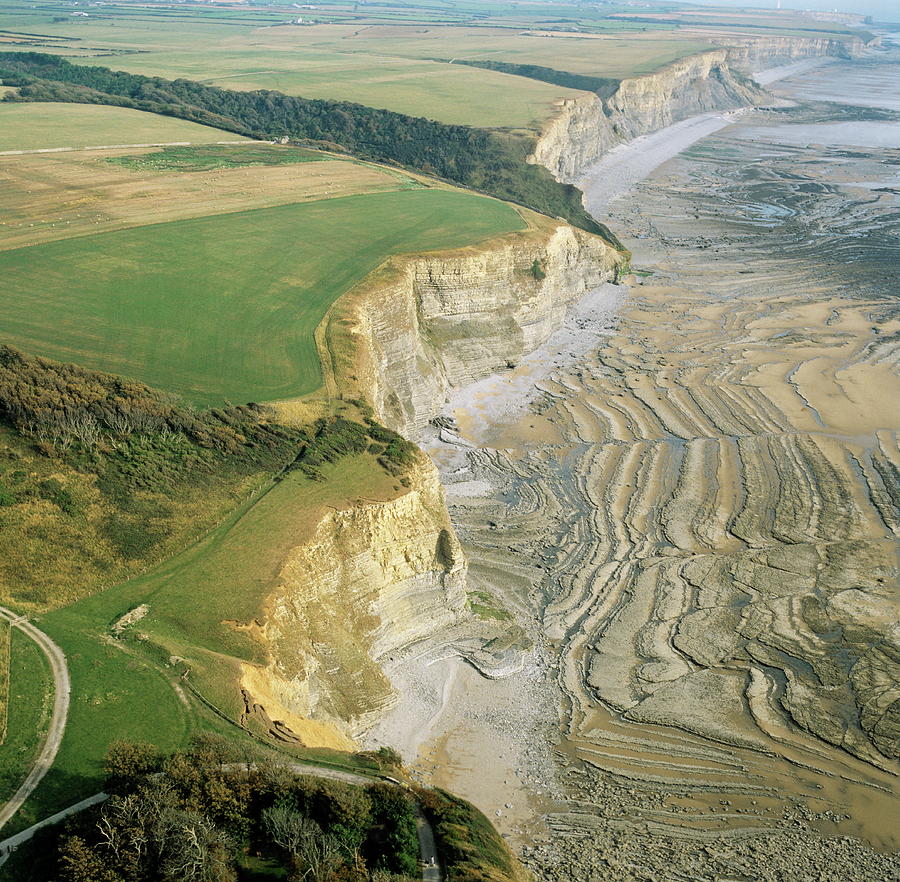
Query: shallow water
point(861, 84)
point(837, 134)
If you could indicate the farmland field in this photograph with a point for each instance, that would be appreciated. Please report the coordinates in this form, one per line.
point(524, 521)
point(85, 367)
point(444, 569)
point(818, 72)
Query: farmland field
point(223, 306)
point(44, 197)
point(401, 69)
point(394, 58)
point(48, 126)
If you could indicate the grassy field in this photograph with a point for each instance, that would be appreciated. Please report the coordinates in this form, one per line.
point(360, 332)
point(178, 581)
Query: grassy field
point(30, 699)
point(602, 55)
point(46, 197)
point(46, 126)
point(224, 306)
point(212, 156)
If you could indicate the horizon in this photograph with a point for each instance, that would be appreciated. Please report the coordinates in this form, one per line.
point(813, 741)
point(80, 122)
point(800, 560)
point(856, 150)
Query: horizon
point(880, 10)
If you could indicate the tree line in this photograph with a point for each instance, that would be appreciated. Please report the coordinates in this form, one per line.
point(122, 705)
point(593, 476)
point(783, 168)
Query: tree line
point(66, 407)
point(484, 160)
point(210, 814)
point(604, 87)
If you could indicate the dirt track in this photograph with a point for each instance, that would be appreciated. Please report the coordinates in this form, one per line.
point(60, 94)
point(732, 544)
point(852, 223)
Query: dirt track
point(59, 715)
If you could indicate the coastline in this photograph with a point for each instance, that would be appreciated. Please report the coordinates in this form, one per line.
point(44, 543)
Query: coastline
point(549, 411)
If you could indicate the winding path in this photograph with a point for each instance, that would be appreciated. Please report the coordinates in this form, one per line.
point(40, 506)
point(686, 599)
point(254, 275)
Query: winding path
point(58, 716)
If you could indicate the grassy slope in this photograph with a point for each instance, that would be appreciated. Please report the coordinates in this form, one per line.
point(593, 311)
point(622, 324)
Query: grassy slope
point(128, 688)
point(41, 126)
point(107, 536)
point(225, 306)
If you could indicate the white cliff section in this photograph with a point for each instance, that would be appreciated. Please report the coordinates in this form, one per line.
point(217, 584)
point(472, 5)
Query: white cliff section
point(587, 128)
point(373, 579)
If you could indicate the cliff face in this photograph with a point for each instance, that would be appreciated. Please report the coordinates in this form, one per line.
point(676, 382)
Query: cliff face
point(373, 578)
point(586, 128)
point(426, 324)
point(754, 53)
point(377, 577)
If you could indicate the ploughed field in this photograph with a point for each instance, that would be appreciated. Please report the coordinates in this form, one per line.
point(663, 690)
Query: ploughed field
point(217, 306)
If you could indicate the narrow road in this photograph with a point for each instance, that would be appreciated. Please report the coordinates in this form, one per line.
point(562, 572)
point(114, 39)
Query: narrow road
point(12, 842)
point(431, 871)
point(62, 687)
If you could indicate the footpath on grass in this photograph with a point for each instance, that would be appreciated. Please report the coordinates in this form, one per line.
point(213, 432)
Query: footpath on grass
point(59, 715)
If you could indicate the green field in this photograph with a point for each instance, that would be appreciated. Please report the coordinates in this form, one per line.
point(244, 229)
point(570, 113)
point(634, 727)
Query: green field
point(224, 306)
point(211, 156)
point(47, 126)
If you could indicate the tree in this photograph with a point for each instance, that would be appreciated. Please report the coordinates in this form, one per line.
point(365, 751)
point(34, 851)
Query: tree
point(194, 850)
point(127, 763)
point(315, 854)
point(79, 862)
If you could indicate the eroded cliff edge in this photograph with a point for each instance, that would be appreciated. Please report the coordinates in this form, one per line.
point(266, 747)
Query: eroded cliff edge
point(586, 128)
point(379, 576)
point(372, 578)
point(425, 324)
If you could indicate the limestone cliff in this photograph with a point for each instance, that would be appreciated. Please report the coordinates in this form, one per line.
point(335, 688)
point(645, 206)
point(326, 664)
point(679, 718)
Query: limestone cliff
point(374, 577)
point(752, 54)
point(379, 576)
point(428, 323)
point(585, 128)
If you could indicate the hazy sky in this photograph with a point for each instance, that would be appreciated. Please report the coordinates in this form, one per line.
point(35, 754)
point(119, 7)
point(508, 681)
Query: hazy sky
point(887, 10)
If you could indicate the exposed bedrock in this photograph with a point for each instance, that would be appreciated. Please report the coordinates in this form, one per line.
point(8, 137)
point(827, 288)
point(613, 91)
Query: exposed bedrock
point(426, 324)
point(586, 128)
point(373, 578)
point(379, 577)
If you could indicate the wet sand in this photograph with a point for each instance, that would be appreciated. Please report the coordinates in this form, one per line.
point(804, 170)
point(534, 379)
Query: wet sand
point(690, 502)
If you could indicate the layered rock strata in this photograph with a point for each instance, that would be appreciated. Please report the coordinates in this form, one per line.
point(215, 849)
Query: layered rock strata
point(373, 578)
point(708, 503)
point(378, 577)
point(426, 324)
point(586, 128)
